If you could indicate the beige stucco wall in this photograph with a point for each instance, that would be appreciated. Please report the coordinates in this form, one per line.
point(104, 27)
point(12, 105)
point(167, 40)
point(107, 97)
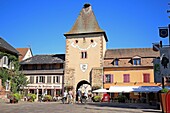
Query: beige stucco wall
point(136, 77)
point(73, 56)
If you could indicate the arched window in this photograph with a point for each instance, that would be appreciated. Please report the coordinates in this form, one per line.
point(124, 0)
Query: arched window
point(5, 60)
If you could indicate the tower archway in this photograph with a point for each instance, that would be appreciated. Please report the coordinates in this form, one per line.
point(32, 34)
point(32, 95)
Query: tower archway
point(84, 86)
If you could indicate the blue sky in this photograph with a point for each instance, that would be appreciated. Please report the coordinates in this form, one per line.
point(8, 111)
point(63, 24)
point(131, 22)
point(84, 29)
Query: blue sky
point(40, 24)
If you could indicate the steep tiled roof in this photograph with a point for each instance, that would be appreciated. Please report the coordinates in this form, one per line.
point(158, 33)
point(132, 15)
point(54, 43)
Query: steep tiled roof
point(86, 23)
point(22, 52)
point(45, 59)
point(125, 57)
point(130, 52)
point(6, 47)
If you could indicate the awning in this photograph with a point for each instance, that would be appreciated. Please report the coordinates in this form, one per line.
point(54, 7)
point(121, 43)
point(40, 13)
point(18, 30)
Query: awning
point(147, 89)
point(122, 88)
point(142, 89)
point(100, 91)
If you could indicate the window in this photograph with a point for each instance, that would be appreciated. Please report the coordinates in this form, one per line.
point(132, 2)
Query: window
point(126, 78)
point(41, 79)
point(54, 66)
point(146, 78)
point(31, 79)
point(137, 61)
point(34, 67)
point(56, 79)
point(61, 66)
point(115, 62)
point(43, 67)
point(108, 78)
point(25, 67)
point(83, 54)
point(48, 79)
point(5, 60)
point(76, 41)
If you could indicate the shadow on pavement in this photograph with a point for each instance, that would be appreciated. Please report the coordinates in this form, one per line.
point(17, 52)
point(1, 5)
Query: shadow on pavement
point(123, 105)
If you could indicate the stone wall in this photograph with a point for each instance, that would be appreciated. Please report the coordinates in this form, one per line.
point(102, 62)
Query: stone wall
point(97, 77)
point(69, 77)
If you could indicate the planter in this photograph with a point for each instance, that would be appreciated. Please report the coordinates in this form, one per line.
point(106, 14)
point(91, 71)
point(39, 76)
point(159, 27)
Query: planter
point(13, 101)
point(163, 101)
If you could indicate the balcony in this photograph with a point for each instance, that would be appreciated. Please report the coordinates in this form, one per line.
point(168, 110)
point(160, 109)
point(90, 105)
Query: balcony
point(56, 71)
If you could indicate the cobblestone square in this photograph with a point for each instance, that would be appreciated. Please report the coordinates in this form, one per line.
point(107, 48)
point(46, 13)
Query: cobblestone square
point(53, 107)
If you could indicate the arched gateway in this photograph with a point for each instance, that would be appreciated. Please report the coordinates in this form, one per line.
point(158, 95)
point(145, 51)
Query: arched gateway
point(85, 49)
point(84, 85)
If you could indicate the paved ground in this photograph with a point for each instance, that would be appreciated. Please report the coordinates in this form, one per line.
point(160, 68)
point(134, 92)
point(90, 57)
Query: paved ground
point(56, 107)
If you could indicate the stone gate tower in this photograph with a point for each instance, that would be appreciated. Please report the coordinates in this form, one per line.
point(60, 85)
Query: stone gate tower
point(85, 49)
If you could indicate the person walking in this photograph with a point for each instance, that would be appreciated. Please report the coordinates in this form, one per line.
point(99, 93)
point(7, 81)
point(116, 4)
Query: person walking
point(64, 99)
point(70, 96)
point(79, 94)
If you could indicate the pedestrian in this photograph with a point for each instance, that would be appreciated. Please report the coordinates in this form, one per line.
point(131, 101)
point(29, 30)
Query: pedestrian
point(65, 97)
point(79, 95)
point(70, 96)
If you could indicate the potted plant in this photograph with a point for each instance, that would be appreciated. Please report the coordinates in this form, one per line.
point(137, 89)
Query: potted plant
point(122, 98)
point(162, 96)
point(31, 97)
point(14, 98)
point(97, 98)
point(47, 98)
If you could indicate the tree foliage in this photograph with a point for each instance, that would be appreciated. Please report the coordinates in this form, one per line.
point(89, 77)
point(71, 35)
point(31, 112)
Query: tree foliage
point(17, 79)
point(4, 76)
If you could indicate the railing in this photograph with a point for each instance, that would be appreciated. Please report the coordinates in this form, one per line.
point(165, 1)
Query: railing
point(59, 71)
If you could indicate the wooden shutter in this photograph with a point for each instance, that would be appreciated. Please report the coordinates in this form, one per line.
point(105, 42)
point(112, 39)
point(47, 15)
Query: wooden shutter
point(146, 78)
point(111, 78)
point(126, 78)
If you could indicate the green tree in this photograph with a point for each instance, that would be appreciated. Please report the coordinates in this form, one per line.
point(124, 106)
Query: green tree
point(18, 80)
point(4, 76)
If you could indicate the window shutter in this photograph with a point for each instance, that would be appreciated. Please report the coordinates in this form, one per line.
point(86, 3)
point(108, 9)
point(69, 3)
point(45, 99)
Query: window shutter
point(111, 78)
point(58, 79)
point(36, 79)
point(126, 78)
point(53, 79)
point(148, 77)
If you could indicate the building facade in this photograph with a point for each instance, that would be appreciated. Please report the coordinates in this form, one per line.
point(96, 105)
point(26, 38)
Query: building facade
point(45, 74)
point(85, 49)
point(7, 56)
point(6, 53)
point(133, 67)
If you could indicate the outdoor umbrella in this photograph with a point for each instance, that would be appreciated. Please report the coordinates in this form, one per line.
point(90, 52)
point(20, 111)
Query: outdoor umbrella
point(100, 91)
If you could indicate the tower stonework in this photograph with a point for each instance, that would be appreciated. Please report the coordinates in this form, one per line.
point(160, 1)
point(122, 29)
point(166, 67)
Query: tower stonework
point(85, 49)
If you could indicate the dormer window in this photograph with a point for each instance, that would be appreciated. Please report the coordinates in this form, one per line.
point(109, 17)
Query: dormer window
point(115, 62)
point(137, 61)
